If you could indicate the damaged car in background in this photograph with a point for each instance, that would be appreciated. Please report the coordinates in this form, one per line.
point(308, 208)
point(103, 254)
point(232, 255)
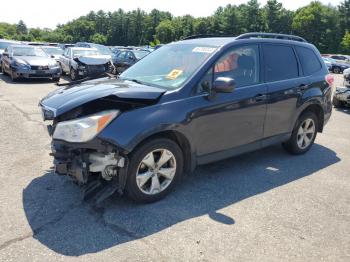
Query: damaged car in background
point(189, 103)
point(81, 62)
point(341, 97)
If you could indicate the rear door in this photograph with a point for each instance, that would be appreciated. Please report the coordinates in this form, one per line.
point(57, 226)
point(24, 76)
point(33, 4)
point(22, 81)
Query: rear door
point(285, 85)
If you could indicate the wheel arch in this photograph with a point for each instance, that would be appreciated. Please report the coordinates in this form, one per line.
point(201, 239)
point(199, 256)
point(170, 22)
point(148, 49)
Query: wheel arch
point(180, 139)
point(318, 111)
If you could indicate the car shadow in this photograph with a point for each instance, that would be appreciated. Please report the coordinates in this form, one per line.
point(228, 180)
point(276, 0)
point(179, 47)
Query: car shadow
point(64, 223)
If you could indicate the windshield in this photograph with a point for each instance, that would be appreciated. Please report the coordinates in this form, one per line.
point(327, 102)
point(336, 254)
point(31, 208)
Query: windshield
point(53, 51)
point(104, 50)
point(4, 45)
point(170, 66)
point(28, 51)
point(92, 52)
point(140, 54)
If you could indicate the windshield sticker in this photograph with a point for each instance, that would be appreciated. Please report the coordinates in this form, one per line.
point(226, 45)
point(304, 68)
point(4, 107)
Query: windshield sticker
point(202, 49)
point(175, 73)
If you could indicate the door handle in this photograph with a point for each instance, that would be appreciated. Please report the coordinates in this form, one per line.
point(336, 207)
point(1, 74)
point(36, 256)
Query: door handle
point(259, 98)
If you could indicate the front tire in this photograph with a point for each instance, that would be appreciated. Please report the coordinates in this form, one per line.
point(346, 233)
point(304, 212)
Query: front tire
point(56, 79)
point(13, 77)
point(73, 74)
point(303, 135)
point(336, 70)
point(3, 69)
point(154, 169)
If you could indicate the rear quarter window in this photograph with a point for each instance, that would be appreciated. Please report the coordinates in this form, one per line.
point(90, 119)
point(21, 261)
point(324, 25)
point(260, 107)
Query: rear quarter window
point(309, 60)
point(280, 63)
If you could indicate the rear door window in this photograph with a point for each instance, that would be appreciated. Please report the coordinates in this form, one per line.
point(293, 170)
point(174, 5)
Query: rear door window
point(309, 61)
point(280, 62)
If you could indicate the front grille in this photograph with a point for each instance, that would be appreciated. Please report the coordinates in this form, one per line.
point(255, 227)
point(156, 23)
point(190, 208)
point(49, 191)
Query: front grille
point(39, 67)
point(96, 69)
point(39, 75)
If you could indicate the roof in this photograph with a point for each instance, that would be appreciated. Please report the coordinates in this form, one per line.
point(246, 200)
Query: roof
point(212, 41)
point(83, 48)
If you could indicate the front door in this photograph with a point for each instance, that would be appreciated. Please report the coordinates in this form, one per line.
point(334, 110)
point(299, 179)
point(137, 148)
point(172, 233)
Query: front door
point(232, 120)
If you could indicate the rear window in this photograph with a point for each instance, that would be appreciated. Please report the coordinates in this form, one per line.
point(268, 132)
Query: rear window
point(309, 61)
point(280, 62)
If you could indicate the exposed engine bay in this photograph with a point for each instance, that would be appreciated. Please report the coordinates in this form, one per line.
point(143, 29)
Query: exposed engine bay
point(93, 66)
point(98, 165)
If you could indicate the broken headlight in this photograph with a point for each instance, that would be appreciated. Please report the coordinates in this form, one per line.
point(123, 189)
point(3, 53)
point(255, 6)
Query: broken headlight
point(85, 128)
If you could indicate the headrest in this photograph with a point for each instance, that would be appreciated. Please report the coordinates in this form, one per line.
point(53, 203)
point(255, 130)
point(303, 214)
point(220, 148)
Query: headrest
point(245, 62)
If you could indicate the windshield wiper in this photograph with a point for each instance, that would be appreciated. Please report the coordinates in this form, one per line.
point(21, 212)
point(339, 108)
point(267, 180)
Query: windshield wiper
point(134, 80)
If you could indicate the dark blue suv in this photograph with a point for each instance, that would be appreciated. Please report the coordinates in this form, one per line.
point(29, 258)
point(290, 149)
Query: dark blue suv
point(188, 103)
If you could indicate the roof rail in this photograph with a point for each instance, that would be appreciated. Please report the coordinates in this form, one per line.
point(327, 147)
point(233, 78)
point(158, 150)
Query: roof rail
point(203, 36)
point(271, 35)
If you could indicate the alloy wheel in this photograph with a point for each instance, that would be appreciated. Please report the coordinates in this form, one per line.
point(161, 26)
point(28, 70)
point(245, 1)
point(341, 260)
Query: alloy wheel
point(306, 133)
point(156, 171)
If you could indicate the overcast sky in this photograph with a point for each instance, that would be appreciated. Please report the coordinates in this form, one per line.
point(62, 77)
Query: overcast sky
point(48, 13)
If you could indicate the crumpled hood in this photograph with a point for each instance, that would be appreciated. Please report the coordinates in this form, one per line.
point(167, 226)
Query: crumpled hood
point(36, 60)
point(94, 60)
point(66, 98)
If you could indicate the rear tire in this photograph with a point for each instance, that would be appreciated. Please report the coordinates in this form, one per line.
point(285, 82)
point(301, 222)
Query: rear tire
point(303, 135)
point(148, 179)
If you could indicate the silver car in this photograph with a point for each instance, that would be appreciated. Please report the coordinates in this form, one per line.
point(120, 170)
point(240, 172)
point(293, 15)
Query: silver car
point(82, 62)
point(24, 61)
point(53, 51)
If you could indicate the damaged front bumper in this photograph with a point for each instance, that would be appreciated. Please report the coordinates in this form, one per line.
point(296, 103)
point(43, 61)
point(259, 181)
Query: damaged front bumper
point(97, 165)
point(343, 94)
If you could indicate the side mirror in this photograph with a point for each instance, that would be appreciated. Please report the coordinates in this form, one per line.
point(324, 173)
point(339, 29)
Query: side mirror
point(223, 85)
point(131, 58)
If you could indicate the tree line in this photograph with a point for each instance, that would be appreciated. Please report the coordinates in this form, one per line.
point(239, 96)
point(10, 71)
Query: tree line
point(326, 26)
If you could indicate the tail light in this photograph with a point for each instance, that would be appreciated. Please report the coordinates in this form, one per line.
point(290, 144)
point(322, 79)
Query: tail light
point(329, 79)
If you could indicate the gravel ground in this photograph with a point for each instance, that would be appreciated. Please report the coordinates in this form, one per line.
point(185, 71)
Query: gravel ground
point(265, 206)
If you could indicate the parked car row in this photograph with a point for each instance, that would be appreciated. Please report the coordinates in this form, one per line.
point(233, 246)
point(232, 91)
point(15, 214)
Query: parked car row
point(78, 60)
point(335, 66)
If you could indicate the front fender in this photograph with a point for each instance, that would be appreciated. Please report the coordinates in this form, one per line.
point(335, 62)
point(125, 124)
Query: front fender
point(132, 127)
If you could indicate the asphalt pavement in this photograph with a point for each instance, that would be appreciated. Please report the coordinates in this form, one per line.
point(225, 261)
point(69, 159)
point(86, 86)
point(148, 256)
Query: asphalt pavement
point(262, 206)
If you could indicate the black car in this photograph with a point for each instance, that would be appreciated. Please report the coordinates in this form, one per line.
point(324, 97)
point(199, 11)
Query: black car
point(189, 103)
point(334, 66)
point(126, 58)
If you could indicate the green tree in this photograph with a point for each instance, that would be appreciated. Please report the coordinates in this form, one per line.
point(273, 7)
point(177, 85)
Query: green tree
point(344, 16)
point(165, 31)
point(21, 28)
point(98, 38)
point(317, 23)
point(345, 43)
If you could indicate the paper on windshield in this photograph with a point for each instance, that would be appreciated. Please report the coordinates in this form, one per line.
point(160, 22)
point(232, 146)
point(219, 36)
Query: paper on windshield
point(175, 73)
point(203, 49)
